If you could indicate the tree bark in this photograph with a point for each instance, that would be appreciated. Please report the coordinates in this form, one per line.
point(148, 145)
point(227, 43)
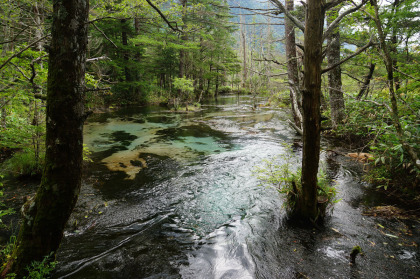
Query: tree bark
point(306, 207)
point(45, 215)
point(334, 75)
point(292, 68)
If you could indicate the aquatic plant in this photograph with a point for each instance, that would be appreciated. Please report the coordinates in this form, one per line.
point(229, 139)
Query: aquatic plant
point(278, 172)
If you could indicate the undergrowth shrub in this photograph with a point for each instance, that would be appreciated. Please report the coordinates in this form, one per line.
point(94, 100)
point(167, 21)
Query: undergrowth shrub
point(24, 163)
point(225, 89)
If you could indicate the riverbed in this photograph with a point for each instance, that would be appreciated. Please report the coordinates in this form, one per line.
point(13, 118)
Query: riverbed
point(173, 195)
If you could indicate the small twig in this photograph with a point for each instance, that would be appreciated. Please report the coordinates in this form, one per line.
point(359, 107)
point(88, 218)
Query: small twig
point(20, 71)
point(97, 58)
point(410, 76)
point(355, 78)
point(103, 34)
point(20, 52)
point(348, 57)
point(97, 89)
point(176, 29)
point(368, 101)
point(40, 96)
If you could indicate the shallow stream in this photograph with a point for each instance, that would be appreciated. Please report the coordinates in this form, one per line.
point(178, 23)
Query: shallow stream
point(173, 196)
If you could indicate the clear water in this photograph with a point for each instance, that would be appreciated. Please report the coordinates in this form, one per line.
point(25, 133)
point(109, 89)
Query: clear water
point(173, 196)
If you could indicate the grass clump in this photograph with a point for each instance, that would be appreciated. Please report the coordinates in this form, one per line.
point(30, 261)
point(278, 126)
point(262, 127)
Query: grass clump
point(279, 172)
point(24, 163)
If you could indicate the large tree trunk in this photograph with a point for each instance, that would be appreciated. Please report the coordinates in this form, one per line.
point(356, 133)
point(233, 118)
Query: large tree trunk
point(45, 216)
point(334, 75)
point(292, 69)
point(306, 208)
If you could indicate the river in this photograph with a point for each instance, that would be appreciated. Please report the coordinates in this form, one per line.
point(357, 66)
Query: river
point(171, 195)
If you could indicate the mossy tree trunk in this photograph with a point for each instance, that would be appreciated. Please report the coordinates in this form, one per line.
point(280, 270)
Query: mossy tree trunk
point(45, 215)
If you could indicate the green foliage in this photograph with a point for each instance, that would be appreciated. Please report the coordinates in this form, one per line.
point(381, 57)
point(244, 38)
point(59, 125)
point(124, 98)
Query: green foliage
point(287, 180)
point(37, 270)
point(371, 126)
point(86, 154)
point(41, 270)
point(6, 251)
point(381, 176)
point(24, 163)
point(225, 89)
point(183, 84)
point(3, 210)
point(281, 99)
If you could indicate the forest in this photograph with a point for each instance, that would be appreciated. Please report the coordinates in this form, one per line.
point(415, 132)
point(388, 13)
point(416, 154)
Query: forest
point(209, 139)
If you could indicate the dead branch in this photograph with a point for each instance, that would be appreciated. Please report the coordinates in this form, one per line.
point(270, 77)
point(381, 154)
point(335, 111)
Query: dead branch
point(371, 43)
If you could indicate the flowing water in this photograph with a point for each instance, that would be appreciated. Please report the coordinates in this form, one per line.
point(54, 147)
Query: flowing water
point(173, 196)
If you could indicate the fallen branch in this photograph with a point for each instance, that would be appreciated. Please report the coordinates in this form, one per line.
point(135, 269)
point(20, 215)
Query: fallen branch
point(40, 96)
point(97, 89)
point(293, 125)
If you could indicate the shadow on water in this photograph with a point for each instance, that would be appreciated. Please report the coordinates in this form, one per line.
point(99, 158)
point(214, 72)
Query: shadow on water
point(178, 200)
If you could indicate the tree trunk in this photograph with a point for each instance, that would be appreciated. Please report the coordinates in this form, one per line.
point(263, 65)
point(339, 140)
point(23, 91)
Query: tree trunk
point(216, 90)
point(364, 89)
point(306, 208)
point(394, 44)
point(38, 20)
point(334, 75)
point(292, 69)
point(124, 41)
point(245, 70)
point(45, 215)
point(182, 55)
point(3, 120)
